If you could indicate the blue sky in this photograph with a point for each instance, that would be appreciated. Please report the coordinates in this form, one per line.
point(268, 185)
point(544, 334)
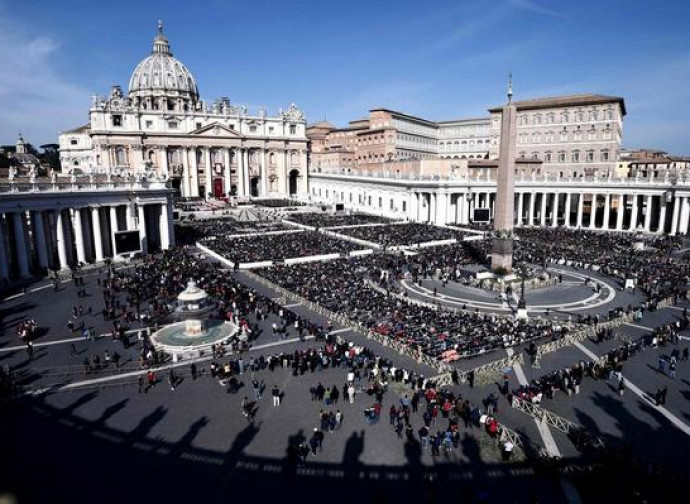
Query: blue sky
point(439, 59)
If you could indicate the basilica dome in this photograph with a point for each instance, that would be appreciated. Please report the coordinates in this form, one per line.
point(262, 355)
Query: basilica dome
point(162, 75)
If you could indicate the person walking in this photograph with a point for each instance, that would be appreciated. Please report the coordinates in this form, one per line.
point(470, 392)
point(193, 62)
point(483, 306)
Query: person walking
point(150, 380)
point(275, 392)
point(30, 350)
point(351, 393)
point(172, 380)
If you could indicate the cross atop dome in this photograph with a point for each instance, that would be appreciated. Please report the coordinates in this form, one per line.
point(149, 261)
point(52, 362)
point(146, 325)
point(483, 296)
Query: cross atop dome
point(160, 42)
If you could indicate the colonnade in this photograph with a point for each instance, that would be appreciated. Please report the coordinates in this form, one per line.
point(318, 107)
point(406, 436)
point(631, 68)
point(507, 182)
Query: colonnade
point(35, 240)
point(612, 211)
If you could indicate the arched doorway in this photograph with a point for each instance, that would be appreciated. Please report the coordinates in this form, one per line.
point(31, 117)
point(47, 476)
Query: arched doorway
point(292, 186)
point(254, 187)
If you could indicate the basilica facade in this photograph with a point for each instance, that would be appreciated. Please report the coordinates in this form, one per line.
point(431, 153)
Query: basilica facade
point(161, 125)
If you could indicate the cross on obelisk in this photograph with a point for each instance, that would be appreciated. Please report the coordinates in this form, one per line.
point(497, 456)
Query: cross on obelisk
point(502, 246)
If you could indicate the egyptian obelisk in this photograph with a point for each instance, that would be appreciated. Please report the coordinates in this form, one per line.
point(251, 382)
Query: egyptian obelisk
point(502, 246)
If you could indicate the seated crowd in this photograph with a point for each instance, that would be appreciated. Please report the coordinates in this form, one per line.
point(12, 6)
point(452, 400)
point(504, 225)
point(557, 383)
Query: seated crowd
point(324, 220)
point(410, 233)
point(345, 286)
point(658, 273)
point(278, 247)
point(278, 202)
point(191, 232)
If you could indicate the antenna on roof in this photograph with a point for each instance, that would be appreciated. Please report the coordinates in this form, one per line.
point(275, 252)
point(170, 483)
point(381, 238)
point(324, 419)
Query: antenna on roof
point(160, 26)
point(510, 87)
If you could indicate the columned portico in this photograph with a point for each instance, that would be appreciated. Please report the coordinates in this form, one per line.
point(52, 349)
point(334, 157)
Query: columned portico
point(20, 243)
point(620, 213)
point(607, 211)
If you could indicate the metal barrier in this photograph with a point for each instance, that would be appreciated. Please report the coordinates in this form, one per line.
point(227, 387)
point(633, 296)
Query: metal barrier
point(552, 419)
point(483, 374)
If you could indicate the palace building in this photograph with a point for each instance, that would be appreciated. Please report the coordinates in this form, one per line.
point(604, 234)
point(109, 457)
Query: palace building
point(162, 125)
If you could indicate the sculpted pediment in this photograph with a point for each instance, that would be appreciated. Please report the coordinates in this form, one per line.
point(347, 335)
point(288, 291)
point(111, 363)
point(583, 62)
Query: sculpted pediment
point(216, 130)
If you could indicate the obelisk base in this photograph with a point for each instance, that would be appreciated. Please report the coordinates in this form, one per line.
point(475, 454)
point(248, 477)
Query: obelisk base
point(502, 255)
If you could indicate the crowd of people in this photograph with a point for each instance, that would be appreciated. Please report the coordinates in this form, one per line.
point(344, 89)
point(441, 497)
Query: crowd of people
point(658, 274)
point(409, 233)
point(325, 220)
point(278, 203)
point(191, 232)
point(278, 247)
point(345, 286)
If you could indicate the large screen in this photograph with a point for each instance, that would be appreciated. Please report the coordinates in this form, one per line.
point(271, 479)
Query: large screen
point(127, 242)
point(481, 215)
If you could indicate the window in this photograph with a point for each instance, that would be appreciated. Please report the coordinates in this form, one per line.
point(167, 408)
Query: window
point(549, 136)
point(149, 124)
point(607, 133)
point(576, 156)
point(590, 156)
point(73, 142)
point(565, 117)
point(293, 129)
point(579, 117)
point(270, 129)
point(172, 125)
point(591, 134)
point(550, 119)
point(369, 200)
point(561, 157)
point(523, 120)
point(252, 129)
point(117, 120)
point(547, 157)
point(232, 127)
point(391, 204)
point(578, 135)
point(604, 155)
point(198, 125)
point(594, 115)
point(609, 115)
point(564, 136)
point(120, 156)
point(404, 206)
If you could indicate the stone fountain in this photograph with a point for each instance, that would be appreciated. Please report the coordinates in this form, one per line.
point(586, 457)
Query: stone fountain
point(197, 331)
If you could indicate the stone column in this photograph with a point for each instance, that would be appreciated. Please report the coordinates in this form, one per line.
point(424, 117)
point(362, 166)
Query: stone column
point(432, 207)
point(264, 174)
point(580, 209)
point(661, 224)
point(441, 208)
point(607, 211)
point(164, 228)
point(676, 214)
point(542, 217)
point(113, 229)
point(78, 235)
point(194, 174)
point(60, 239)
point(568, 205)
point(4, 263)
point(97, 236)
point(414, 202)
point(621, 212)
point(593, 212)
point(247, 177)
point(521, 203)
point(20, 243)
point(633, 216)
point(530, 216)
point(41, 245)
point(554, 212)
point(186, 189)
point(129, 217)
point(648, 215)
point(208, 173)
point(685, 210)
point(142, 229)
point(227, 172)
point(240, 172)
point(164, 160)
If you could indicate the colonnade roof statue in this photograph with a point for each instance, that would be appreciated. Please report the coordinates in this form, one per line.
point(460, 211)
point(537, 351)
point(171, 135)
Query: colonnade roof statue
point(502, 248)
